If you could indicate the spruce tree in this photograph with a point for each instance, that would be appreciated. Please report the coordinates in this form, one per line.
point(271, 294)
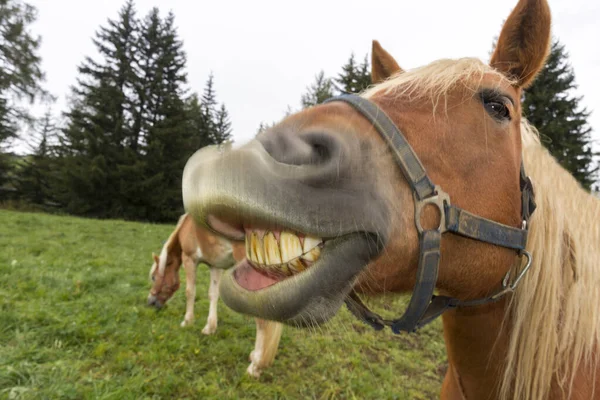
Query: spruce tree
point(20, 72)
point(214, 123)
point(549, 104)
point(197, 123)
point(35, 177)
point(318, 92)
point(222, 126)
point(208, 105)
point(98, 134)
point(169, 142)
point(354, 77)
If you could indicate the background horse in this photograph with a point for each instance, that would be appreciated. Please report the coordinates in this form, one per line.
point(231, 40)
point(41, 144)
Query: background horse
point(191, 245)
point(334, 172)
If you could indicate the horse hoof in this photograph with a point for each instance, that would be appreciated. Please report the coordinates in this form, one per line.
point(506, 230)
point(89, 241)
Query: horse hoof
point(254, 356)
point(209, 330)
point(186, 322)
point(253, 371)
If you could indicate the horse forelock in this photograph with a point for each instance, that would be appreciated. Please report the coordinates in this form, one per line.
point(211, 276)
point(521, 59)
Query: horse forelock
point(436, 80)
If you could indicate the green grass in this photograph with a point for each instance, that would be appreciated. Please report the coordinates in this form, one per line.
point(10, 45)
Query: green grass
point(74, 325)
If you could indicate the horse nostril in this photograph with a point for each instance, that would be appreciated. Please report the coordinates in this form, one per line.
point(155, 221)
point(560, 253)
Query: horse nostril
point(308, 148)
point(321, 151)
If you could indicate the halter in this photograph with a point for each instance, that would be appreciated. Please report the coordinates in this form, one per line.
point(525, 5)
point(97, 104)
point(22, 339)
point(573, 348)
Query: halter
point(424, 306)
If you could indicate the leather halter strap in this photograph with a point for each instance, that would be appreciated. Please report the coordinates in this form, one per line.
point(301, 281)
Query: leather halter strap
point(424, 306)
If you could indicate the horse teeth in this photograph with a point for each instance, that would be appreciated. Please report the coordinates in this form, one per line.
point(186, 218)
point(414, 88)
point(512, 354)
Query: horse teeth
point(284, 269)
point(248, 242)
point(312, 255)
point(297, 265)
point(256, 249)
point(290, 246)
point(287, 256)
point(271, 249)
point(310, 242)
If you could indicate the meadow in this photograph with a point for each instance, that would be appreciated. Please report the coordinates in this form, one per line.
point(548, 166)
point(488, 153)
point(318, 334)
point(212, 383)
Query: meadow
point(74, 325)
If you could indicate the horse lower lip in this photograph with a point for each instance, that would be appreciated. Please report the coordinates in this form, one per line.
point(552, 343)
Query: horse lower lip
point(294, 300)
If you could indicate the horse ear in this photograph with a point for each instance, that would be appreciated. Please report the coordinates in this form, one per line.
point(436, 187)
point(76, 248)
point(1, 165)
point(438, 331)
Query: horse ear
point(383, 64)
point(524, 42)
point(155, 257)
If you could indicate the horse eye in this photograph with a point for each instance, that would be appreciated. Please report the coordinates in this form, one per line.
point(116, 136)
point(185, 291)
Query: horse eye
point(497, 108)
point(153, 278)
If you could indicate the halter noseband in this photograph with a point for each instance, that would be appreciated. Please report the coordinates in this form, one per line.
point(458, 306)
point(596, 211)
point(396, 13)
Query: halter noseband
point(424, 306)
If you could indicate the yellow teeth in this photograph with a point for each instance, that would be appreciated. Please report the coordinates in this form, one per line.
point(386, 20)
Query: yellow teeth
point(256, 249)
point(272, 254)
point(287, 256)
point(312, 255)
point(290, 246)
point(296, 265)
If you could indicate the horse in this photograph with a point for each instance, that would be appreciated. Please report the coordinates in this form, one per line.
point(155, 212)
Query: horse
point(190, 244)
point(420, 185)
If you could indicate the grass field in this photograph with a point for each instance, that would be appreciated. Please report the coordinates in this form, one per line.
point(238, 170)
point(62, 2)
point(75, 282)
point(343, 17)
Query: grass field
point(74, 325)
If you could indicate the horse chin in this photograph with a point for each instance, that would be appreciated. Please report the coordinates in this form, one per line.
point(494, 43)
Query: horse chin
point(307, 298)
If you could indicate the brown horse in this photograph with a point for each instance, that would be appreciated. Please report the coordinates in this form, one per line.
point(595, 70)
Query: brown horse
point(520, 292)
point(191, 245)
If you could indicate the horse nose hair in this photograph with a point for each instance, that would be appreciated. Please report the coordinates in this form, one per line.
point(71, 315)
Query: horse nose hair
point(301, 148)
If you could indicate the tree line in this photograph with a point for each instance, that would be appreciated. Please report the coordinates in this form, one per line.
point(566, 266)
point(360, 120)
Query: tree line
point(130, 126)
point(119, 149)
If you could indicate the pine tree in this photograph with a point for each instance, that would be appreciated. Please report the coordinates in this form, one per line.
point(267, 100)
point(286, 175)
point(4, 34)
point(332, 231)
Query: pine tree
point(551, 107)
point(318, 92)
point(157, 195)
point(214, 123)
point(36, 174)
point(222, 126)
point(354, 78)
point(208, 105)
point(98, 134)
point(20, 72)
point(196, 122)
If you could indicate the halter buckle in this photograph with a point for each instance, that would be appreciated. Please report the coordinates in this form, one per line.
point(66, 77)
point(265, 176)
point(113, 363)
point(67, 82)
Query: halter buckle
point(511, 287)
point(440, 199)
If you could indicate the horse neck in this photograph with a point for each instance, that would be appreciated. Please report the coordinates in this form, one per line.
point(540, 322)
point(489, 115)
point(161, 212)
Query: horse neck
point(477, 339)
point(476, 345)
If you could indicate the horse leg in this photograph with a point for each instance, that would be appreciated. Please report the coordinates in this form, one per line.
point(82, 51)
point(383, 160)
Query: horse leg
point(190, 290)
point(268, 334)
point(213, 297)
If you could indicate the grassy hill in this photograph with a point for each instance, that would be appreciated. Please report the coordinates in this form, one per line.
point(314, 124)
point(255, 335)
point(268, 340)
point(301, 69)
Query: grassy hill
point(74, 325)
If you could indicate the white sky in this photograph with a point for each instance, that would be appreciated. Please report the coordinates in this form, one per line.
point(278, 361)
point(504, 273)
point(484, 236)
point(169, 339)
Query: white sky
point(264, 53)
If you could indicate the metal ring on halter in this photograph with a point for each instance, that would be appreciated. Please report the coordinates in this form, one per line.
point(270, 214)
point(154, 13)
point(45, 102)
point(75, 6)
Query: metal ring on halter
point(441, 199)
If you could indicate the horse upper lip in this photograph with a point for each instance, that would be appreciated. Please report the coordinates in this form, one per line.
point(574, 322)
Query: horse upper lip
point(247, 187)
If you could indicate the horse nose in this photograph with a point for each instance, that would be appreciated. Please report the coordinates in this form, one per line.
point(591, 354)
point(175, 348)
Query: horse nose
point(153, 301)
point(301, 148)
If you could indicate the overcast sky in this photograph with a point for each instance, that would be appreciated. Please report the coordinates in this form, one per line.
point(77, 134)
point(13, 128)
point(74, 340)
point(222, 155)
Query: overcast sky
point(265, 53)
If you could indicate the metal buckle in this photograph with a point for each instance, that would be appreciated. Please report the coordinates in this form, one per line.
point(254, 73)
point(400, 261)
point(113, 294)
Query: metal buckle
point(506, 287)
point(439, 199)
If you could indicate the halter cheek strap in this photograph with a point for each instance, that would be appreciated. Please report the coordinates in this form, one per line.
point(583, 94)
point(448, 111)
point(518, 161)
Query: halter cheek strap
point(424, 306)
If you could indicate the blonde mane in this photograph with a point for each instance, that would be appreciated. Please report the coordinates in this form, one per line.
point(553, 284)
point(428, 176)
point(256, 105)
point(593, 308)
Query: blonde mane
point(162, 264)
point(554, 317)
